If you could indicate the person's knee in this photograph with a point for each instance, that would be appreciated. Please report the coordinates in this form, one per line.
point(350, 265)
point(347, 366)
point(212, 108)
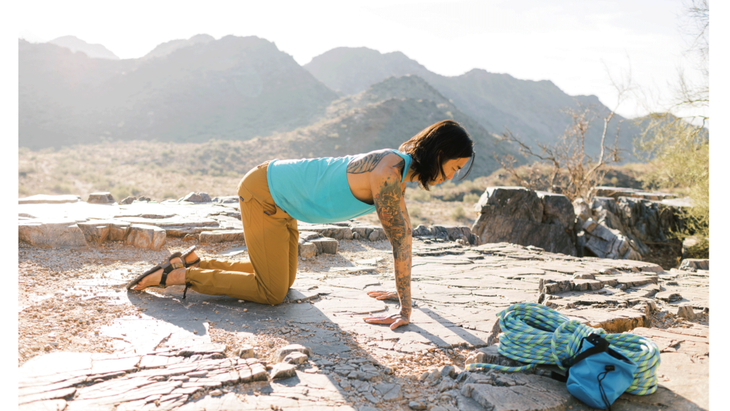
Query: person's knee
point(277, 296)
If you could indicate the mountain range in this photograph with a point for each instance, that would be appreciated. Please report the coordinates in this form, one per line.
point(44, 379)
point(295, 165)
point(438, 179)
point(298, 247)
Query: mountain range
point(344, 101)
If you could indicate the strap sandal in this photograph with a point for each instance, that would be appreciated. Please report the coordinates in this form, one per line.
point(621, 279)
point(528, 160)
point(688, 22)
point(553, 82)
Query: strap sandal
point(167, 267)
point(187, 264)
point(186, 253)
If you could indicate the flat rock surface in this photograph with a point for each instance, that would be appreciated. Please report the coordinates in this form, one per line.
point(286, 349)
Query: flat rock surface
point(86, 343)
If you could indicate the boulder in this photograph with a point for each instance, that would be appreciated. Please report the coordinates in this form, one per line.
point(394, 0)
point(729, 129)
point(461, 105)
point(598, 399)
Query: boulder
point(377, 234)
point(52, 234)
point(421, 231)
point(283, 370)
point(48, 199)
point(132, 199)
point(325, 245)
point(694, 264)
point(362, 231)
point(646, 220)
point(616, 192)
point(604, 242)
point(641, 220)
point(338, 232)
point(582, 209)
point(282, 352)
point(685, 310)
point(522, 216)
point(453, 233)
point(118, 230)
point(197, 198)
point(245, 351)
point(145, 236)
point(101, 198)
point(307, 249)
point(225, 200)
point(557, 209)
point(296, 358)
point(96, 231)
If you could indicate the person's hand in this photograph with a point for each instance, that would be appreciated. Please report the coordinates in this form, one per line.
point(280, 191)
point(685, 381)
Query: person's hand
point(394, 320)
point(384, 295)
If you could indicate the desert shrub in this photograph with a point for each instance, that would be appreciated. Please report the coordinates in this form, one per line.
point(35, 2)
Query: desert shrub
point(472, 186)
point(121, 191)
point(447, 185)
point(26, 169)
point(62, 188)
point(458, 213)
point(699, 250)
point(471, 198)
point(414, 211)
point(418, 195)
point(450, 196)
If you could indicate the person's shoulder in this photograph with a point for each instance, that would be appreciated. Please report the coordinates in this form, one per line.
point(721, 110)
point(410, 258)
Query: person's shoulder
point(389, 164)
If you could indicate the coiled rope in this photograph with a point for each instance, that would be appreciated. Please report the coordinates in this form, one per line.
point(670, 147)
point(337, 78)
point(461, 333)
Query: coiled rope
point(536, 334)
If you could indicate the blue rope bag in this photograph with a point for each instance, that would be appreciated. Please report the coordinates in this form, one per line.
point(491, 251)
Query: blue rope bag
point(598, 374)
point(599, 367)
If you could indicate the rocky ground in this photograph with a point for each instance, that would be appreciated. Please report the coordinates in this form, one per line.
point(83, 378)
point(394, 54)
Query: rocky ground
point(85, 343)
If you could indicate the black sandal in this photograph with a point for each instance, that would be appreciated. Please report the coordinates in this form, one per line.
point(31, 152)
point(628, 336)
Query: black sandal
point(186, 264)
point(166, 267)
point(187, 253)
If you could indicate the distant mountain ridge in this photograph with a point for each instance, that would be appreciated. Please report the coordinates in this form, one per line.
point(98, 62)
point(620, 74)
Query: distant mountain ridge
point(352, 70)
point(533, 110)
point(96, 51)
point(383, 116)
point(170, 46)
point(345, 101)
point(231, 88)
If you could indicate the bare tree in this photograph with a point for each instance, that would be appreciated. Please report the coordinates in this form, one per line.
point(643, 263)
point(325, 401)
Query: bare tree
point(574, 173)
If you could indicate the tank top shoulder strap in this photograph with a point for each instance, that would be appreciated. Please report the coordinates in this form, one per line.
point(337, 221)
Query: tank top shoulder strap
point(408, 160)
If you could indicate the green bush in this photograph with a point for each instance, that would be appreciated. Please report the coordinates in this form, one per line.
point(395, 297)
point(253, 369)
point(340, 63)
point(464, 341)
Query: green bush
point(458, 213)
point(450, 196)
point(62, 188)
point(471, 198)
point(418, 195)
point(681, 153)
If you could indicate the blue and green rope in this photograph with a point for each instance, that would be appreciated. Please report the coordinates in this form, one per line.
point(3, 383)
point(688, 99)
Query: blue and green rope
point(535, 334)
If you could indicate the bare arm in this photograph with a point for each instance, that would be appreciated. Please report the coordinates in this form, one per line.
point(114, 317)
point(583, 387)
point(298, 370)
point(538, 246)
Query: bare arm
point(391, 208)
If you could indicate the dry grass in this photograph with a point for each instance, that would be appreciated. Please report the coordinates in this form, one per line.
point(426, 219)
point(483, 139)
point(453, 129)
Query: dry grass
point(163, 171)
point(156, 170)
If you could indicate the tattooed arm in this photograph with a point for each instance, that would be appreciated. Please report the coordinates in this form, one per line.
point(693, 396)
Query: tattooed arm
point(391, 208)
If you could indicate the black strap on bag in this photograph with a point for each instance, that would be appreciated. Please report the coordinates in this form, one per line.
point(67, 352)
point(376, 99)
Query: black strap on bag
point(600, 345)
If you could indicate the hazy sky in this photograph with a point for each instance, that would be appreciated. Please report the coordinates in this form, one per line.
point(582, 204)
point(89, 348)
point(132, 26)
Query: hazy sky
point(575, 44)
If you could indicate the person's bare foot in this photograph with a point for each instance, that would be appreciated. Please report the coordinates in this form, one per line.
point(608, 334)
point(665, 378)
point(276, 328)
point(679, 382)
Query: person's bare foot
point(175, 277)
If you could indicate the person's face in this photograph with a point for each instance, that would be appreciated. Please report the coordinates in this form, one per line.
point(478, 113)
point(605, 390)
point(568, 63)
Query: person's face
point(451, 167)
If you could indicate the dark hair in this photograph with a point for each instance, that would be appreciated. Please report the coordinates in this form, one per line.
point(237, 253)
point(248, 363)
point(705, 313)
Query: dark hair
point(436, 144)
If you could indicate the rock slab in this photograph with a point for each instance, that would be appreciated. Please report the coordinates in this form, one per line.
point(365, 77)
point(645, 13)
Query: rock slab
point(522, 216)
point(51, 234)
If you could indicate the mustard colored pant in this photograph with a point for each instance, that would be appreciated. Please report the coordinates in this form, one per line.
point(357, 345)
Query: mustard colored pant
point(272, 239)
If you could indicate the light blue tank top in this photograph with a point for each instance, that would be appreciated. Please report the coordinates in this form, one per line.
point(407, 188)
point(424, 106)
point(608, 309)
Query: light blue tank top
point(315, 190)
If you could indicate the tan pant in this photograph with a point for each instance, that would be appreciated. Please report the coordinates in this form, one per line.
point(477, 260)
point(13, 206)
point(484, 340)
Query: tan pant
point(272, 239)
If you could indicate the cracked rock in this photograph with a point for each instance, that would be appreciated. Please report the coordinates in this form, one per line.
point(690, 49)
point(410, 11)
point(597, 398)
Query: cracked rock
point(282, 352)
point(283, 370)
